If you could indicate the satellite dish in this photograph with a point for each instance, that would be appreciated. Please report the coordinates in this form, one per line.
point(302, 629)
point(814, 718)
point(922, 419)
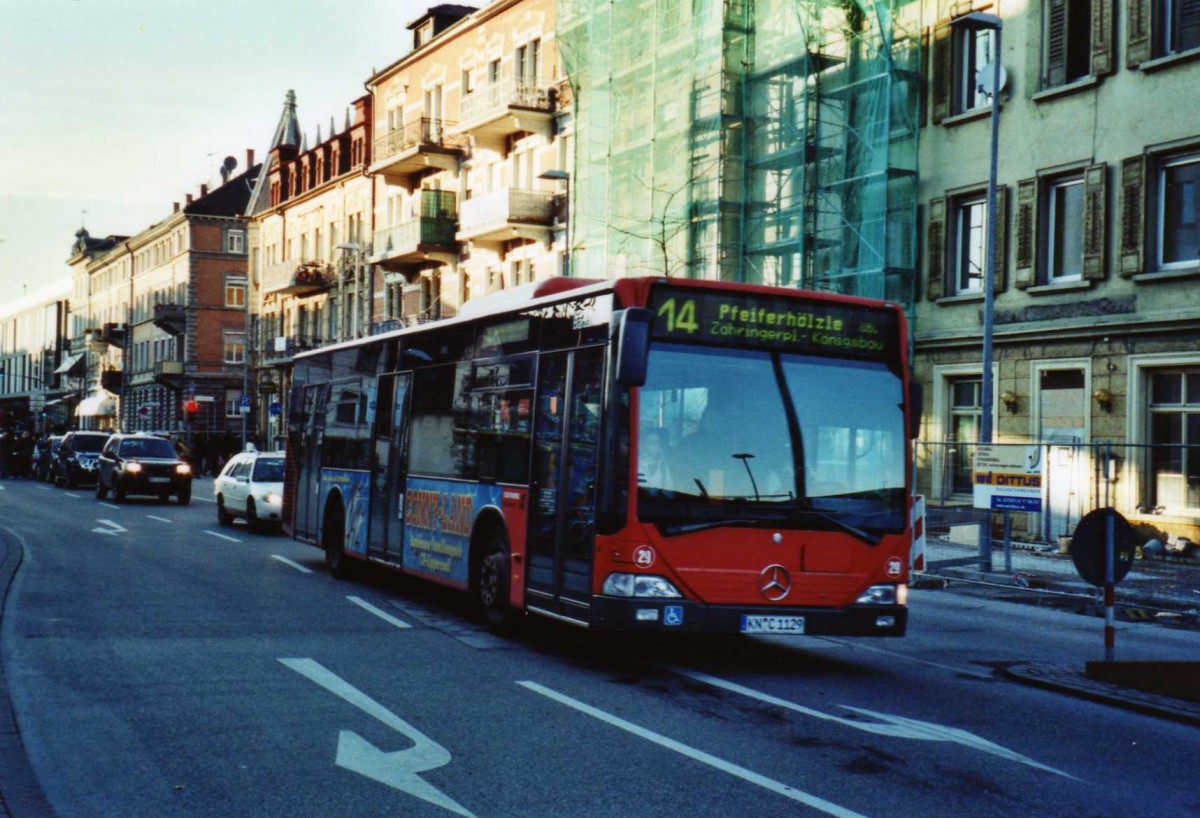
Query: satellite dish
point(227, 168)
point(985, 76)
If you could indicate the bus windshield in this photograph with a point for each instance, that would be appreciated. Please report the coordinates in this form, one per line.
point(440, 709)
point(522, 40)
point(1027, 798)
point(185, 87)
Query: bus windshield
point(746, 437)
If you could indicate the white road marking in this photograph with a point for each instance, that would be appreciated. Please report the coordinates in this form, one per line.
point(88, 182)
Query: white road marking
point(69, 494)
point(386, 617)
point(398, 769)
point(893, 726)
point(110, 505)
point(2, 488)
point(160, 519)
point(222, 536)
point(698, 755)
point(45, 488)
point(110, 528)
point(916, 660)
point(295, 565)
point(204, 499)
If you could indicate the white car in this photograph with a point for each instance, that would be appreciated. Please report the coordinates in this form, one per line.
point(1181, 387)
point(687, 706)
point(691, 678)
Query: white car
point(250, 486)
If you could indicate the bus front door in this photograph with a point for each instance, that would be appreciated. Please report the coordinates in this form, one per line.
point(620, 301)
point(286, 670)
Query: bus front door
point(385, 540)
point(563, 485)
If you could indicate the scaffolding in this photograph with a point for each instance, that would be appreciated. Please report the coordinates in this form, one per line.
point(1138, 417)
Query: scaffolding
point(766, 141)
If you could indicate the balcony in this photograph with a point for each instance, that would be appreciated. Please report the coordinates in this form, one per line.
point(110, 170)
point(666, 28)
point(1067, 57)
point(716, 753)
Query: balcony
point(297, 278)
point(171, 318)
point(419, 147)
point(169, 374)
point(507, 107)
point(506, 215)
point(283, 348)
point(421, 242)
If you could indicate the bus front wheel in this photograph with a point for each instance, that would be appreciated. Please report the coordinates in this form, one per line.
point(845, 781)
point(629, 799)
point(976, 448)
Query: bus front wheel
point(494, 583)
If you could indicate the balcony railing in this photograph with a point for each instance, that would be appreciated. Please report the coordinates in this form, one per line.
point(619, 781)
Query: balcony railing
point(413, 241)
point(170, 317)
point(506, 214)
point(508, 106)
point(297, 278)
point(421, 145)
point(284, 347)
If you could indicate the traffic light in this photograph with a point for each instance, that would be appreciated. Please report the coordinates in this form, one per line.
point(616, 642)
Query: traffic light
point(190, 408)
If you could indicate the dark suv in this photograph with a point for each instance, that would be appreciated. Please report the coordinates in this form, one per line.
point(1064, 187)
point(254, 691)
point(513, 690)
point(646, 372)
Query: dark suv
point(143, 464)
point(75, 461)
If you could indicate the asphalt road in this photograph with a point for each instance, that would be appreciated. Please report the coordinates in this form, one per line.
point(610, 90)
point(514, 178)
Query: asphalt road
point(160, 665)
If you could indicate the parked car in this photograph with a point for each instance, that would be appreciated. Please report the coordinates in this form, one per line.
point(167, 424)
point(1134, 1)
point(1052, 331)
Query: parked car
point(76, 461)
point(250, 486)
point(46, 451)
point(143, 464)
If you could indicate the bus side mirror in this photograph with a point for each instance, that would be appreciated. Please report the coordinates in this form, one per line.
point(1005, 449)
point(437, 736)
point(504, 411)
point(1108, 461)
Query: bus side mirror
point(632, 332)
point(916, 407)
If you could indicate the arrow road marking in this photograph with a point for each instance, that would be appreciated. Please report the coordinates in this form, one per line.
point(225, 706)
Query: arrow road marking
point(397, 770)
point(111, 528)
point(698, 755)
point(893, 726)
point(386, 617)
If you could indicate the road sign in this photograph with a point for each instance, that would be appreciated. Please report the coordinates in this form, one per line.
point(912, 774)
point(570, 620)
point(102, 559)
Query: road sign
point(244, 404)
point(1088, 543)
point(276, 408)
point(1008, 477)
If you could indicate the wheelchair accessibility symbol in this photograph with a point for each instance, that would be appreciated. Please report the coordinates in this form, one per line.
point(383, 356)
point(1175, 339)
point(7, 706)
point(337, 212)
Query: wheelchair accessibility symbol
point(673, 615)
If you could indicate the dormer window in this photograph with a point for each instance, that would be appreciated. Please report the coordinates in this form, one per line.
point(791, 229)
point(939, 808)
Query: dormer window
point(423, 34)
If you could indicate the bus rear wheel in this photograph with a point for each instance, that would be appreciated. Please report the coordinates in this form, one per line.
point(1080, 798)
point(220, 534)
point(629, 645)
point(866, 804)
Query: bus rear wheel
point(332, 536)
point(494, 584)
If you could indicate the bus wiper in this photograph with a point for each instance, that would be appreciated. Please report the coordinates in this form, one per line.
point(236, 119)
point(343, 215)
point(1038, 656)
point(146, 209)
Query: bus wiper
point(854, 531)
point(705, 526)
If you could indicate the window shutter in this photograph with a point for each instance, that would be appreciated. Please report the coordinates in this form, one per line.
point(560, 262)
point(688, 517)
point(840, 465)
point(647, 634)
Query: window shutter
point(926, 39)
point(1094, 221)
point(1056, 43)
point(1026, 233)
point(935, 249)
point(1189, 24)
point(1102, 37)
point(1133, 215)
point(999, 281)
point(943, 68)
point(1139, 32)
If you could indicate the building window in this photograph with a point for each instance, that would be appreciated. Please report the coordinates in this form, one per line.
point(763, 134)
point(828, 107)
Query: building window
point(965, 410)
point(969, 245)
point(235, 292)
point(233, 403)
point(1178, 224)
point(1174, 412)
point(1180, 21)
point(235, 241)
point(972, 51)
point(1064, 229)
point(235, 347)
point(1066, 41)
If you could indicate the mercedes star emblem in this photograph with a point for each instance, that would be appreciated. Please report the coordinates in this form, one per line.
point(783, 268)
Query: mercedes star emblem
point(774, 582)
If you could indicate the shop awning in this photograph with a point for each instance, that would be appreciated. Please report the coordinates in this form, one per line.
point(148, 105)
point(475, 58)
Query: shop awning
point(100, 404)
point(71, 366)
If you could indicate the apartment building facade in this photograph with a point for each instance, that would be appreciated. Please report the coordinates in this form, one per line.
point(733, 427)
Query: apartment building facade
point(39, 376)
point(160, 317)
point(1097, 280)
point(467, 125)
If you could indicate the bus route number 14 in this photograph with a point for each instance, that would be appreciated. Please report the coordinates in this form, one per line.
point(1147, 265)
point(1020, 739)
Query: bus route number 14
point(683, 319)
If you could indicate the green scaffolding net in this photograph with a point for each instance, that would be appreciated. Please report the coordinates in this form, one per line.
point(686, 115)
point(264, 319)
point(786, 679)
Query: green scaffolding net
point(765, 141)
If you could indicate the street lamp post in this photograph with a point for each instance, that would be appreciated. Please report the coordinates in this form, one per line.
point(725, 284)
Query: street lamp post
point(564, 177)
point(980, 21)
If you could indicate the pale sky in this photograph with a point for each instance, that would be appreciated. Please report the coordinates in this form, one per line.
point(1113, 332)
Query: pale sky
point(121, 107)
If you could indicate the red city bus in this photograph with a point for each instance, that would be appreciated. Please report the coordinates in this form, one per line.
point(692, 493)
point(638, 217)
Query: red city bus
point(641, 454)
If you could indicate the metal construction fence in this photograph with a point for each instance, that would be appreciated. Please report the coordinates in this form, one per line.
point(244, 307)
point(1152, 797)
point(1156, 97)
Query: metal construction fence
point(1156, 487)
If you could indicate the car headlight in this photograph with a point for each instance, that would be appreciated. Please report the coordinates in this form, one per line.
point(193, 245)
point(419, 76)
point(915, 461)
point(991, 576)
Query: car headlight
point(272, 499)
point(639, 585)
point(884, 595)
point(183, 468)
point(133, 468)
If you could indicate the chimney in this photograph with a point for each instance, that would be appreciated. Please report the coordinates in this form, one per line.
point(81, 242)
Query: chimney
point(176, 204)
point(189, 198)
point(203, 191)
point(249, 158)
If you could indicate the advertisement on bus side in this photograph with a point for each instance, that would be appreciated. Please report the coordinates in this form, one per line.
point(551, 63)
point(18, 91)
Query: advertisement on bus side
point(438, 518)
point(355, 488)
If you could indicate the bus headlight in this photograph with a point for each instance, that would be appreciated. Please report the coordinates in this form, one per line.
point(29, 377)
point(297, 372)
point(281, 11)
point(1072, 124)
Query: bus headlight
point(639, 585)
point(884, 595)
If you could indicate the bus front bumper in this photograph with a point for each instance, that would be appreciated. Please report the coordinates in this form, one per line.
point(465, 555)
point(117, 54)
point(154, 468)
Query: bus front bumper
point(658, 615)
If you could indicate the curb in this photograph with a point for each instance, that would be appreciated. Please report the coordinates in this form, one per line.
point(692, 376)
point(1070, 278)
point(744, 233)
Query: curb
point(1064, 679)
point(21, 795)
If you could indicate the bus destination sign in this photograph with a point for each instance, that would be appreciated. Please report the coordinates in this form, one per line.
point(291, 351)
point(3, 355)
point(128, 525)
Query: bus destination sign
point(742, 319)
